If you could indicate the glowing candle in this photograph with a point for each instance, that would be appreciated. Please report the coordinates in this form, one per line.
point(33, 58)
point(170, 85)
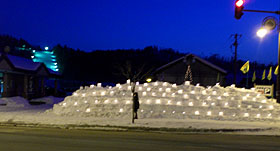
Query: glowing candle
point(92, 86)
point(178, 103)
point(128, 81)
point(75, 94)
point(186, 96)
point(169, 102)
point(192, 92)
point(246, 114)
point(163, 94)
point(158, 101)
point(263, 101)
point(187, 82)
point(196, 112)
point(180, 91)
point(204, 104)
point(209, 113)
point(121, 110)
point(99, 84)
point(190, 103)
point(214, 93)
point(83, 95)
point(221, 113)
point(184, 113)
point(144, 93)
point(64, 104)
point(226, 104)
point(106, 101)
point(88, 110)
point(174, 85)
point(204, 92)
point(168, 90)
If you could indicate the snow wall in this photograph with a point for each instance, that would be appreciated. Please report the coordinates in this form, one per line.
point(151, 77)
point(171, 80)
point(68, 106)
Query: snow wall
point(165, 100)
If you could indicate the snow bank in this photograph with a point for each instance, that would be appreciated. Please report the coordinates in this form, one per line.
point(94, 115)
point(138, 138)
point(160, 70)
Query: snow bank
point(47, 100)
point(15, 102)
point(161, 100)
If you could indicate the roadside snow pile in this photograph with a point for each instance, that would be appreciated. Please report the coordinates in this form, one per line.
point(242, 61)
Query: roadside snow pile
point(171, 101)
point(15, 102)
point(47, 100)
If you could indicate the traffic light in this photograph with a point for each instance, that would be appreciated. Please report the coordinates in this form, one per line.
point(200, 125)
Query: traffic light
point(239, 8)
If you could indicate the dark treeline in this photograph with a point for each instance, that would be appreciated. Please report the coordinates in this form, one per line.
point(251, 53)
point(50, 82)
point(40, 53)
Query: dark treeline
point(112, 66)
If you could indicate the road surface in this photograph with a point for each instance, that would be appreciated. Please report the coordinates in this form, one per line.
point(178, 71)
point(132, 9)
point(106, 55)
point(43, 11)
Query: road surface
point(52, 139)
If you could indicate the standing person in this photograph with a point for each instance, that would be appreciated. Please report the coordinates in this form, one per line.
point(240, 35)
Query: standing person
point(135, 105)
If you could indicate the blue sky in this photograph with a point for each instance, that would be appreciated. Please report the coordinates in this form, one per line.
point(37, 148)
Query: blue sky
point(201, 27)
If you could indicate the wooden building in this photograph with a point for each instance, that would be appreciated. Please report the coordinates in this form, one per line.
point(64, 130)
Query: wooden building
point(191, 68)
point(23, 77)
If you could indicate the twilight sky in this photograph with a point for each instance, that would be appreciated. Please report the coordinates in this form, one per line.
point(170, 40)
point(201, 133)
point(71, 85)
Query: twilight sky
point(202, 27)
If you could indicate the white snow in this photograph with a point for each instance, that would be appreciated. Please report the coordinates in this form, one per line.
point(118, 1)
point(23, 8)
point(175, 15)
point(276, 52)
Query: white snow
point(161, 105)
point(166, 101)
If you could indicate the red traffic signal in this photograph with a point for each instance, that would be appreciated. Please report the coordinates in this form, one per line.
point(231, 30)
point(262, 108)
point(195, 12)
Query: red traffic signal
point(239, 8)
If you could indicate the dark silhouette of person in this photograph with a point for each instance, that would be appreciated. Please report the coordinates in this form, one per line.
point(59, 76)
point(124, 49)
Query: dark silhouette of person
point(135, 105)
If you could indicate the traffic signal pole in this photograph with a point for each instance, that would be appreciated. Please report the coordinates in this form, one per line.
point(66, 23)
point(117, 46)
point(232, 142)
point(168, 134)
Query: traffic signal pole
point(239, 9)
point(262, 11)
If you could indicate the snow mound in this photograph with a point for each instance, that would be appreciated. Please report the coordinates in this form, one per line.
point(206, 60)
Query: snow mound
point(15, 102)
point(47, 100)
point(171, 101)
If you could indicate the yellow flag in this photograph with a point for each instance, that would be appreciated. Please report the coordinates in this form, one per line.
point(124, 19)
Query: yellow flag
point(254, 76)
point(263, 76)
point(269, 76)
point(245, 67)
point(276, 71)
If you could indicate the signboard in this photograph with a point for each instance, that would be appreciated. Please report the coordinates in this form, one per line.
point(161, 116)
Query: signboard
point(267, 90)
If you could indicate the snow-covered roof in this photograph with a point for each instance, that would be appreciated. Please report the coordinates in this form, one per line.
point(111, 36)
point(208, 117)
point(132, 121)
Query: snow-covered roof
point(23, 63)
point(195, 57)
point(27, 64)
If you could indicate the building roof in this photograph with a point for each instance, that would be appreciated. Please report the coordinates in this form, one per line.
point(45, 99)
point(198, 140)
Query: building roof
point(27, 65)
point(23, 63)
point(195, 57)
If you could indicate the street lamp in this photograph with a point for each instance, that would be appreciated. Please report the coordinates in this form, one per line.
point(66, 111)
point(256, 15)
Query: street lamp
point(270, 23)
point(262, 32)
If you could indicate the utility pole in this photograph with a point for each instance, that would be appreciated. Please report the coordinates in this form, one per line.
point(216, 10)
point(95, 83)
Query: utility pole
point(235, 44)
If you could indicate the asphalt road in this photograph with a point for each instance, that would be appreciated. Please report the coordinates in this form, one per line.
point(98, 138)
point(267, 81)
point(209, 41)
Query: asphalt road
point(46, 139)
